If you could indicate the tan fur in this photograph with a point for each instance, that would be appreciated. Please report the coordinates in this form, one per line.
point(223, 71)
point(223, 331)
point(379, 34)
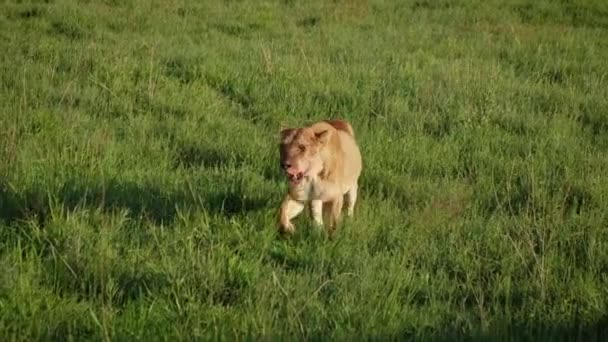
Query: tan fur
point(342, 125)
point(323, 164)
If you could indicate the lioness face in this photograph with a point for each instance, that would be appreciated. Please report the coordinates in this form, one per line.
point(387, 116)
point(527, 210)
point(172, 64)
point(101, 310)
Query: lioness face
point(299, 151)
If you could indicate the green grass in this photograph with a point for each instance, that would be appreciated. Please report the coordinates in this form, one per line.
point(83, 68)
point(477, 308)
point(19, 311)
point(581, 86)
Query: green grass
point(139, 178)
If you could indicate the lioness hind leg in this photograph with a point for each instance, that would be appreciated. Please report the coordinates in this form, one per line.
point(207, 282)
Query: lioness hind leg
point(327, 206)
point(351, 199)
point(335, 211)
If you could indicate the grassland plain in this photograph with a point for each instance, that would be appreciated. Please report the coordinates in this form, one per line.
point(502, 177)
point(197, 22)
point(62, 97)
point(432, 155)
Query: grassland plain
point(139, 176)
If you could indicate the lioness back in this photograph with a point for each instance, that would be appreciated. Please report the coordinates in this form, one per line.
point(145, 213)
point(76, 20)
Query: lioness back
point(342, 125)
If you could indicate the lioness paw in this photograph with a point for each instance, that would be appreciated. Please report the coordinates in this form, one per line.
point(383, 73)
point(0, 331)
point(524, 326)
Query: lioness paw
point(288, 228)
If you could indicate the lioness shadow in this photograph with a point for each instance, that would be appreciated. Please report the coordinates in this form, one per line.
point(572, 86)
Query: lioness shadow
point(142, 201)
point(195, 155)
point(596, 331)
point(577, 331)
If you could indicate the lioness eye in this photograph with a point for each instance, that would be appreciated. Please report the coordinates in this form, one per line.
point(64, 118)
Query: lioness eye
point(302, 148)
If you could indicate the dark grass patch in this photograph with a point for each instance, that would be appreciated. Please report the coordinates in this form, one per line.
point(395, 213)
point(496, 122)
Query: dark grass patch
point(183, 69)
point(197, 156)
point(142, 102)
point(437, 127)
point(290, 259)
point(589, 14)
point(66, 65)
point(514, 125)
point(72, 328)
point(593, 117)
point(555, 76)
point(82, 280)
point(236, 282)
point(237, 29)
point(387, 239)
point(576, 199)
point(19, 206)
point(434, 5)
point(234, 203)
point(512, 195)
point(308, 22)
point(68, 29)
point(467, 163)
point(31, 13)
point(529, 330)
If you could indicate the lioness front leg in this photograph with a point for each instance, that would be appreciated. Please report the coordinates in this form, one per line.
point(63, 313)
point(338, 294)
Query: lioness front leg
point(289, 209)
point(316, 209)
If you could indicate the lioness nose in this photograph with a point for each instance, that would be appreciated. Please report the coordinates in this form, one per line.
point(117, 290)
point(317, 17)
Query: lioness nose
point(292, 170)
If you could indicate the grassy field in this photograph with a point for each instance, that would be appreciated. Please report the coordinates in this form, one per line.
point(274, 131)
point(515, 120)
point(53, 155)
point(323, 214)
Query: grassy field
point(139, 174)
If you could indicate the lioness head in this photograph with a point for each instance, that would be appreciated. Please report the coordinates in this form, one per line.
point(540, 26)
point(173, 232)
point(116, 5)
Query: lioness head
point(299, 149)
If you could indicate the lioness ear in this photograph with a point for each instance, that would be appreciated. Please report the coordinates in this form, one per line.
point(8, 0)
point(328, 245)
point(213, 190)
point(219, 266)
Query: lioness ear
point(322, 137)
point(286, 133)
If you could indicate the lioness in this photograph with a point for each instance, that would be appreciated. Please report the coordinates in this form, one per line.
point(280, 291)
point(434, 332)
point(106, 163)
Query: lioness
point(322, 163)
